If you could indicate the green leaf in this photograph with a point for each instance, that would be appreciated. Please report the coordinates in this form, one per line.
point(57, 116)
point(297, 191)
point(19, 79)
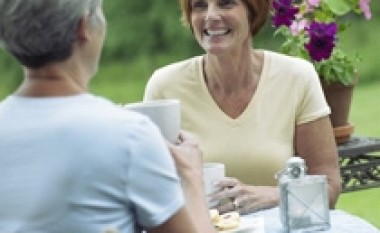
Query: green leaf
point(339, 7)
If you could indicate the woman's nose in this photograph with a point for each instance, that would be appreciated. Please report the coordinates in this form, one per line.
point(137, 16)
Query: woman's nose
point(212, 12)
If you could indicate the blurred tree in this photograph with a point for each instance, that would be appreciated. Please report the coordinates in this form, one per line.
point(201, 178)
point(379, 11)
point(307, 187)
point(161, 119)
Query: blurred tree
point(145, 27)
point(11, 72)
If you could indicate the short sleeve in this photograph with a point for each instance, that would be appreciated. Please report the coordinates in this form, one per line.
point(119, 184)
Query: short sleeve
point(313, 103)
point(153, 86)
point(153, 186)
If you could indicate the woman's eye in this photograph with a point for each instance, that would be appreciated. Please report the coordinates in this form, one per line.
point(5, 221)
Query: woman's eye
point(198, 5)
point(227, 3)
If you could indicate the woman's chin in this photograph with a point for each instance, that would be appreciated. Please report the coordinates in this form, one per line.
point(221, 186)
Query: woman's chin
point(217, 50)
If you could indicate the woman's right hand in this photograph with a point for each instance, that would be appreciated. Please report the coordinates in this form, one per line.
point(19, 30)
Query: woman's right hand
point(237, 196)
point(187, 156)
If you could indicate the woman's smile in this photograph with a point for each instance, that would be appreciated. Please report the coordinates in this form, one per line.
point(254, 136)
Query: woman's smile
point(216, 32)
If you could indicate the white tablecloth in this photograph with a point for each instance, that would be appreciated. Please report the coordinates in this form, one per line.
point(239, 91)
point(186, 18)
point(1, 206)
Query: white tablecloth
point(341, 222)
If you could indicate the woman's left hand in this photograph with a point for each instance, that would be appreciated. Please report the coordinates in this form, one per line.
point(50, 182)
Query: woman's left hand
point(236, 196)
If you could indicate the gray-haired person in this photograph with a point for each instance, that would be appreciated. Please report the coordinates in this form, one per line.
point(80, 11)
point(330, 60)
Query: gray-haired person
point(73, 162)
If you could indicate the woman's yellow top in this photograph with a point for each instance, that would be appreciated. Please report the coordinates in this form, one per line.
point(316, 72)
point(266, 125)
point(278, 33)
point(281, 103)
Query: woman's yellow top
point(257, 144)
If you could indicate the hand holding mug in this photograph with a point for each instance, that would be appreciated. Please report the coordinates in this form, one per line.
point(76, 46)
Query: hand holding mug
point(165, 113)
point(212, 173)
point(244, 198)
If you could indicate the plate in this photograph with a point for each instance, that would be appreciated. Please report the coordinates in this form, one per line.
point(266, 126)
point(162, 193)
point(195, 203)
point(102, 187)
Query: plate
point(248, 225)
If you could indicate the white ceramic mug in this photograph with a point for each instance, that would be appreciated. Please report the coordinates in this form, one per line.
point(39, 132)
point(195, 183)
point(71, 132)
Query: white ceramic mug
point(212, 172)
point(165, 113)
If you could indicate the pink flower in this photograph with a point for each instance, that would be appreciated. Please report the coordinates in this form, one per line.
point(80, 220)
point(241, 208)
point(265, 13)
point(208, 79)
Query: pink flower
point(298, 26)
point(313, 3)
point(364, 6)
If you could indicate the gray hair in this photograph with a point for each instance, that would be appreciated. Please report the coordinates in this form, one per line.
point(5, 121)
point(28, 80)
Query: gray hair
point(38, 32)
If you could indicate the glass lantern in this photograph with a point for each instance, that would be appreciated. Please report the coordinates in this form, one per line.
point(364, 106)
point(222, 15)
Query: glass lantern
point(303, 199)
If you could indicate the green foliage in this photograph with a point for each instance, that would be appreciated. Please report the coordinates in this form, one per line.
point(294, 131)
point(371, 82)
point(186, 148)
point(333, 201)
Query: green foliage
point(339, 7)
point(124, 82)
point(143, 28)
point(339, 67)
point(11, 73)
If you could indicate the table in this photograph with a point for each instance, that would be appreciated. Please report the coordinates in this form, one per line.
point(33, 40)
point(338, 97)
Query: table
point(360, 165)
point(341, 222)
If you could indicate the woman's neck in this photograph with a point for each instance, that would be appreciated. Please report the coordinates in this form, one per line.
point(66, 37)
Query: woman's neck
point(52, 80)
point(232, 73)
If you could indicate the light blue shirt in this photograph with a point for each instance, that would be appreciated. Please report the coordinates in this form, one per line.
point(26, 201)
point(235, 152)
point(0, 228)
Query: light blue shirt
point(81, 164)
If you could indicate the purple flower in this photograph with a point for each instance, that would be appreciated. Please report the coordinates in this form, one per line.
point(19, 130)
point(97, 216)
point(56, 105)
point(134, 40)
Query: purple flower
point(322, 40)
point(284, 12)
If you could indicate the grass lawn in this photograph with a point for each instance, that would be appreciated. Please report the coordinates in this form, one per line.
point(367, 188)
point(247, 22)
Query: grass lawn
point(365, 115)
point(363, 203)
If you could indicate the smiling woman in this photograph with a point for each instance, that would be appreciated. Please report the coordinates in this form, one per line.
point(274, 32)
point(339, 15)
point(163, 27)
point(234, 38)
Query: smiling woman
point(232, 100)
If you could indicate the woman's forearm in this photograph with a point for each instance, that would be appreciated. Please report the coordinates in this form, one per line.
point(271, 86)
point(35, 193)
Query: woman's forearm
point(196, 204)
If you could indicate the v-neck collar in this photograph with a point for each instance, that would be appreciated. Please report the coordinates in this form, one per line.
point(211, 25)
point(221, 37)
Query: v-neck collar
point(251, 104)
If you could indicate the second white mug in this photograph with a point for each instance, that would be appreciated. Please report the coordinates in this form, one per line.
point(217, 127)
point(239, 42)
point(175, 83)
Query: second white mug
point(212, 172)
point(165, 113)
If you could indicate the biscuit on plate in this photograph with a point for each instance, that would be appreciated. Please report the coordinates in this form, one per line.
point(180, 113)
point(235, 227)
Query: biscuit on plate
point(214, 215)
point(228, 221)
